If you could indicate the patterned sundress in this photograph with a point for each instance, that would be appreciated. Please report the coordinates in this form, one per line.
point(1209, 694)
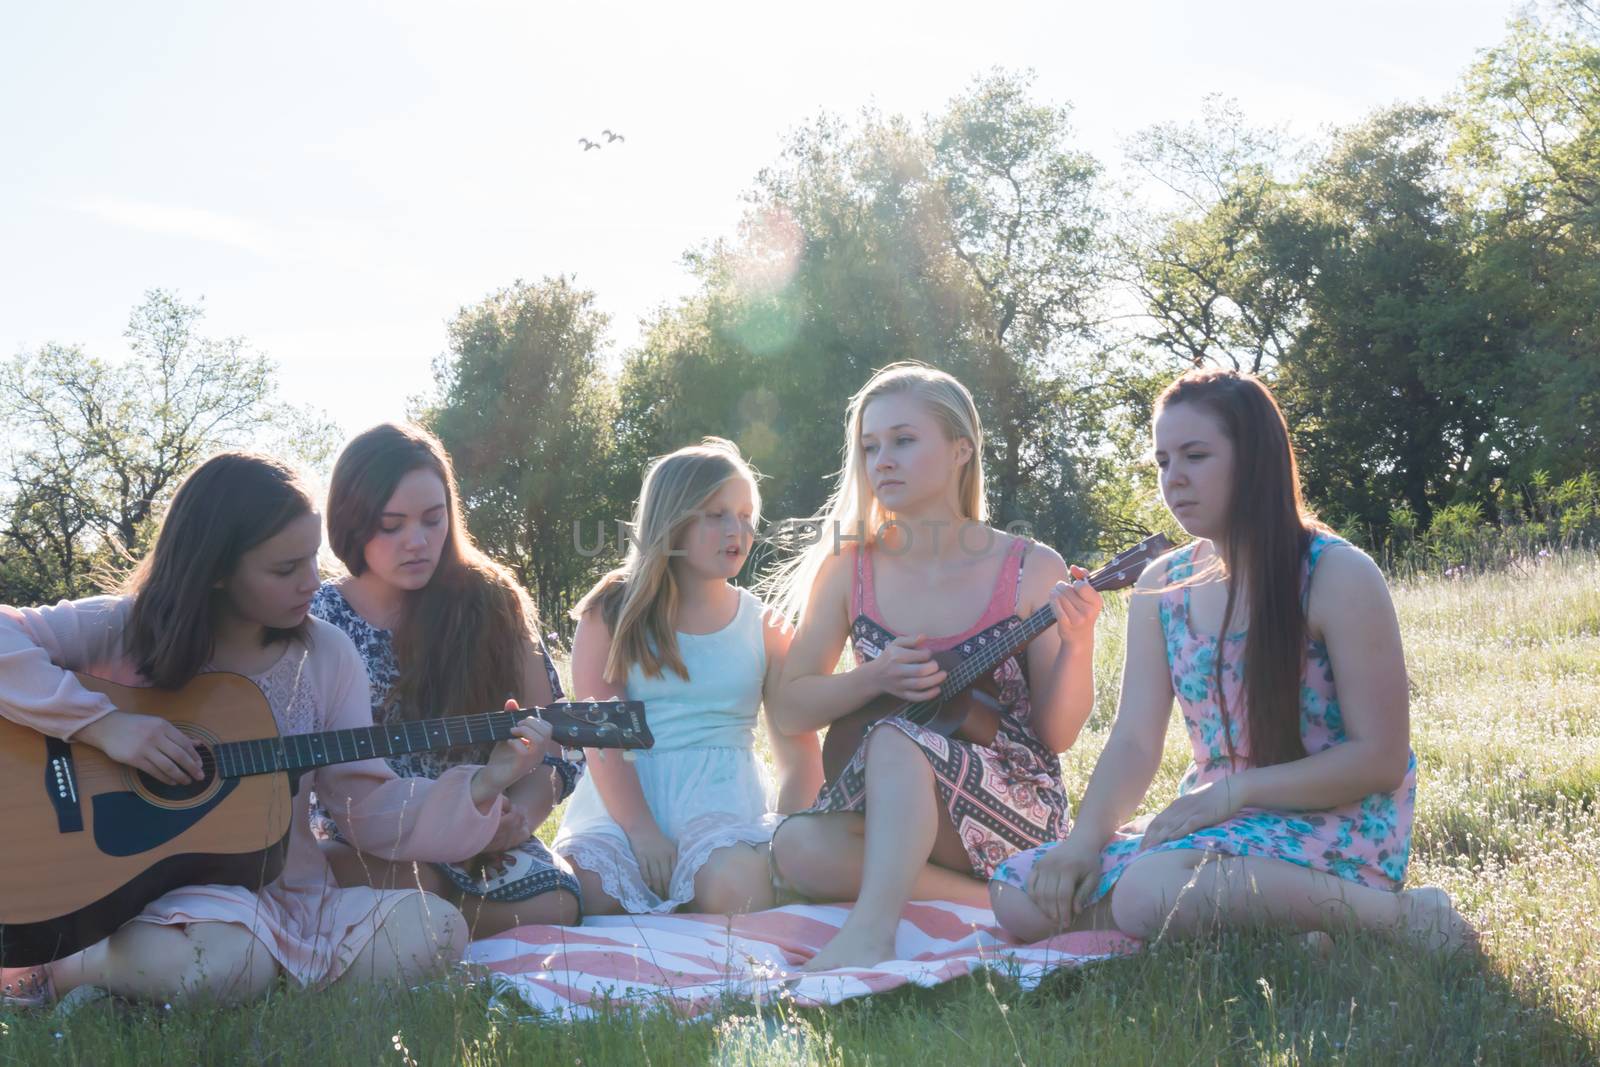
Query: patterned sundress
point(1000, 798)
point(1366, 842)
point(518, 873)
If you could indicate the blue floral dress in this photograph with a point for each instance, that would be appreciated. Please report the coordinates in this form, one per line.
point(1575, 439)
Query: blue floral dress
point(1366, 842)
point(520, 873)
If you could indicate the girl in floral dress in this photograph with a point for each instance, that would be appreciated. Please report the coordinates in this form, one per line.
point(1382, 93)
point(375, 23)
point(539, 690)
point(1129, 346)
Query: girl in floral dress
point(443, 631)
point(1297, 809)
point(919, 559)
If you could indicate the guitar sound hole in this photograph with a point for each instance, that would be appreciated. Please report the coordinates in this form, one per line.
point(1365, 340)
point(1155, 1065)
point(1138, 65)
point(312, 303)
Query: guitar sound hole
point(188, 790)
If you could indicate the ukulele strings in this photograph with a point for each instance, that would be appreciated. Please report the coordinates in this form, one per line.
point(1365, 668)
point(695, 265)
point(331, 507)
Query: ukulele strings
point(964, 674)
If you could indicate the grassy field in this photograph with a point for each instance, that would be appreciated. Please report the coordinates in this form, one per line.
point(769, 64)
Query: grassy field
point(1506, 725)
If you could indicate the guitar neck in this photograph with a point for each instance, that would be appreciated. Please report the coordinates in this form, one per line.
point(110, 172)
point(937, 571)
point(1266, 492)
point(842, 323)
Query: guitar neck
point(303, 752)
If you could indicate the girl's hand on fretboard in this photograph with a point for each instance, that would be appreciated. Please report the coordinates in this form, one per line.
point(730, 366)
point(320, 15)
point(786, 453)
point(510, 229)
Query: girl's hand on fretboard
point(511, 760)
point(1076, 606)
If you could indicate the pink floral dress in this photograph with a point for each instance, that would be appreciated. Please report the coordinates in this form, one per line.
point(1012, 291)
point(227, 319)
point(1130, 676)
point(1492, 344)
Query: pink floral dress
point(1366, 842)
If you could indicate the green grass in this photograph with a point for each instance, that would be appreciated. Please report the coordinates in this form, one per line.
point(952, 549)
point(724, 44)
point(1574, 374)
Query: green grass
point(1506, 724)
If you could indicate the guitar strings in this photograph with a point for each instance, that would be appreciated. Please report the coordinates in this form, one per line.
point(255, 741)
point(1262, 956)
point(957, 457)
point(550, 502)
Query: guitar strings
point(491, 721)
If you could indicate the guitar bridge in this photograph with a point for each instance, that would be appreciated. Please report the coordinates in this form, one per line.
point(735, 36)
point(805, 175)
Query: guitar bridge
point(61, 783)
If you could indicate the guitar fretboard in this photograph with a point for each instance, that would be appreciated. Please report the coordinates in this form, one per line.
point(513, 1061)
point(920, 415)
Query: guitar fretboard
point(302, 752)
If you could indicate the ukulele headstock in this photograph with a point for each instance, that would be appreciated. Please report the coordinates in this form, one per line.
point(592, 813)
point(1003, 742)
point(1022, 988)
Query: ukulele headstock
point(597, 723)
point(1126, 566)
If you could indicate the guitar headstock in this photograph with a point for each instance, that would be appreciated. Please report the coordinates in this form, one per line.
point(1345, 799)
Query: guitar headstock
point(1126, 566)
point(597, 723)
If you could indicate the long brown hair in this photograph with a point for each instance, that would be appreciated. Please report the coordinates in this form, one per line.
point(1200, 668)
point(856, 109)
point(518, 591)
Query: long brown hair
point(228, 505)
point(1269, 530)
point(639, 600)
point(462, 639)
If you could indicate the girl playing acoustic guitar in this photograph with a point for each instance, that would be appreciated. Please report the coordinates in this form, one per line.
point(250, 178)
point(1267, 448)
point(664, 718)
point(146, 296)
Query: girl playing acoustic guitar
point(1296, 812)
point(227, 588)
point(916, 813)
point(442, 629)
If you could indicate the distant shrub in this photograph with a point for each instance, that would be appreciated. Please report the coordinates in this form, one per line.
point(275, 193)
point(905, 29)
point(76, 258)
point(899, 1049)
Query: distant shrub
point(1534, 520)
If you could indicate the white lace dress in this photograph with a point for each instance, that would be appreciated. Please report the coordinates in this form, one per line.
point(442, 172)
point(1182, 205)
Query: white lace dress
point(702, 780)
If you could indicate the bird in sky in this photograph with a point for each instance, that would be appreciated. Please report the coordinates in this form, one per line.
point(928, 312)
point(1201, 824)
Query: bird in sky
point(609, 136)
point(588, 144)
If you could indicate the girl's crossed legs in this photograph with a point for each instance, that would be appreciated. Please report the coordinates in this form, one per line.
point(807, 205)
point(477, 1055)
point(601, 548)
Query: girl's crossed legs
point(225, 963)
point(484, 917)
point(735, 879)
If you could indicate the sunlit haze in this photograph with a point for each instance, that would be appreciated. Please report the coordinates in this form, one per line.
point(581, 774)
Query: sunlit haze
point(336, 180)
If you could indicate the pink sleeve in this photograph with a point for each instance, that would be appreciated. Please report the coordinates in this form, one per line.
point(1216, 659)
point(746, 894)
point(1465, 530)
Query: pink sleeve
point(39, 647)
point(381, 814)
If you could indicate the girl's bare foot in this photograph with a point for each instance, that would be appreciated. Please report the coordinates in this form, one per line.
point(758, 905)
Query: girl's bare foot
point(850, 948)
point(1433, 923)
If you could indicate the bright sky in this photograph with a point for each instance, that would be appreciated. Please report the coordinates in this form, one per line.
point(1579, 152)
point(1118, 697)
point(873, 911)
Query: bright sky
point(338, 179)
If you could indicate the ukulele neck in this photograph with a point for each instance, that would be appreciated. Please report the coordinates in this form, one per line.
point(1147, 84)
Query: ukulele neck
point(1115, 575)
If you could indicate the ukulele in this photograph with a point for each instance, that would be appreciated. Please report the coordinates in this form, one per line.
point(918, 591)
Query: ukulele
point(92, 841)
point(968, 704)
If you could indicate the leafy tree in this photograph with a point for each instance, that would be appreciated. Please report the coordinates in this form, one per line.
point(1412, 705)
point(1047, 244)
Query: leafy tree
point(839, 267)
point(97, 446)
point(1221, 272)
point(1528, 143)
point(1024, 222)
point(968, 245)
point(529, 419)
point(1395, 383)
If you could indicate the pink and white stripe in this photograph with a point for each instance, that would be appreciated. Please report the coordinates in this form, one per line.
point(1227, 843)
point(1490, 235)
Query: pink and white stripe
point(691, 964)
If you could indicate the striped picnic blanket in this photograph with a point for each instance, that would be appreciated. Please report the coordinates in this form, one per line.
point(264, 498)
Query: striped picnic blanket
point(693, 964)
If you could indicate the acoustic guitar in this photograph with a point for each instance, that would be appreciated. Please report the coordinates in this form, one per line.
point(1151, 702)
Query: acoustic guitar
point(968, 704)
point(89, 842)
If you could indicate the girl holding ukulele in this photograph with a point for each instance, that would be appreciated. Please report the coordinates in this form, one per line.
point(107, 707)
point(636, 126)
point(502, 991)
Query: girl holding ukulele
point(917, 814)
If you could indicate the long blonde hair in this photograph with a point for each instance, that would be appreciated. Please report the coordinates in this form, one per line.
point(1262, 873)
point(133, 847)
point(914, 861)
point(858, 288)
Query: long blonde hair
point(639, 600)
point(852, 510)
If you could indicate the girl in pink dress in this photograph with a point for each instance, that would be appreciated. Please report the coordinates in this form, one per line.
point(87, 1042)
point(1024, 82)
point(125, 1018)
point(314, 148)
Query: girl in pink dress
point(1297, 808)
point(917, 814)
point(227, 587)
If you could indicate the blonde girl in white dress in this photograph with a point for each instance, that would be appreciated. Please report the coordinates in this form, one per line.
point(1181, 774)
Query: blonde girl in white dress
point(685, 824)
